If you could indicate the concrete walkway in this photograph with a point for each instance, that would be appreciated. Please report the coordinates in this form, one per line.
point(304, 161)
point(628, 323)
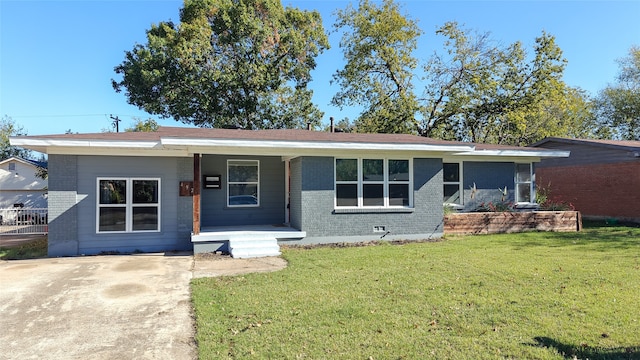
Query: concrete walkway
point(107, 307)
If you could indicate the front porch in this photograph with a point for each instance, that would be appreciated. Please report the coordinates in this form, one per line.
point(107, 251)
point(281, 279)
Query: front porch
point(244, 241)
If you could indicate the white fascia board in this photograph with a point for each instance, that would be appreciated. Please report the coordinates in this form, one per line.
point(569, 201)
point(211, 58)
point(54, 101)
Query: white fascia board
point(308, 145)
point(517, 153)
point(117, 152)
point(83, 143)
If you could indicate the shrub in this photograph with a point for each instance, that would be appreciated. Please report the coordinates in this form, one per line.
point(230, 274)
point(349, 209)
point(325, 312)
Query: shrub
point(501, 206)
point(548, 202)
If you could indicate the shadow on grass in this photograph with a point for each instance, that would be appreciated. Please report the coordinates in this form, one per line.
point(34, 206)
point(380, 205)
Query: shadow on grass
point(599, 238)
point(571, 351)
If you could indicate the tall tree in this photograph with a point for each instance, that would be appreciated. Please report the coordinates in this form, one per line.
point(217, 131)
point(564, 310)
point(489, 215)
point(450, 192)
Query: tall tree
point(482, 92)
point(561, 111)
point(456, 79)
point(229, 62)
point(8, 128)
point(618, 105)
point(378, 43)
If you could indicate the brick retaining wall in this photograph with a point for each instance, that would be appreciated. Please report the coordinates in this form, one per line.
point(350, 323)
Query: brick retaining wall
point(509, 222)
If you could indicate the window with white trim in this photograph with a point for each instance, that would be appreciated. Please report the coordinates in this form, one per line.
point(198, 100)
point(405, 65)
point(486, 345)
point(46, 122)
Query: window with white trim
point(375, 183)
point(128, 205)
point(12, 166)
point(243, 183)
point(452, 188)
point(524, 183)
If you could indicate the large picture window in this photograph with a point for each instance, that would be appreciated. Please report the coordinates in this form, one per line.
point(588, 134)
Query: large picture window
point(373, 183)
point(243, 183)
point(128, 205)
point(524, 183)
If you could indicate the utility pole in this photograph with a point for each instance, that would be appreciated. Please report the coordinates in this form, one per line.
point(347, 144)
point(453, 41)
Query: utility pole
point(116, 122)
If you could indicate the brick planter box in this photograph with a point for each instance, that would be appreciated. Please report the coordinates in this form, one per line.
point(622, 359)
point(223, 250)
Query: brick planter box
point(510, 222)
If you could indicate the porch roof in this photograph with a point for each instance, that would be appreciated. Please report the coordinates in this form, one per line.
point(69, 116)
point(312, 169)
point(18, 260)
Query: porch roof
point(182, 141)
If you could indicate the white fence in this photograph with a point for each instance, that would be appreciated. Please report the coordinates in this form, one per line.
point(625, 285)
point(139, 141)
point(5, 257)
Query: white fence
point(23, 221)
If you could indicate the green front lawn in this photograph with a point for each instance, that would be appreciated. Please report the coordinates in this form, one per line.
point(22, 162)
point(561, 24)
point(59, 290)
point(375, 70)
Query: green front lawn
point(516, 296)
point(29, 250)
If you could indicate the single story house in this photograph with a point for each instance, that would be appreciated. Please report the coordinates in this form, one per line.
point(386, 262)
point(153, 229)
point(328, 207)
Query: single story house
point(601, 178)
point(20, 185)
point(246, 191)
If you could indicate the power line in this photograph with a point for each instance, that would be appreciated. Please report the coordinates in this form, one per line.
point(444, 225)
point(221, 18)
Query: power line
point(46, 116)
point(75, 115)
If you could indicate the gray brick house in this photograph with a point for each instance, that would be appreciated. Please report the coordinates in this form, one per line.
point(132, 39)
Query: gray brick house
point(247, 191)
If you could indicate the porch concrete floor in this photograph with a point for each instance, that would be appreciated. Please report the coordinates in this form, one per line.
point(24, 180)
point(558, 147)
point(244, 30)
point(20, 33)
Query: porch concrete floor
point(213, 233)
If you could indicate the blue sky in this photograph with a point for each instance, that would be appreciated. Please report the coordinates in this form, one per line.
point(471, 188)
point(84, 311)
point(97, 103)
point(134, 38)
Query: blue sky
point(57, 57)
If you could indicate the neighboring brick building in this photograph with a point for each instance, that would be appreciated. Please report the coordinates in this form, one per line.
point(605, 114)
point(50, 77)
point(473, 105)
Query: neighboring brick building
point(601, 178)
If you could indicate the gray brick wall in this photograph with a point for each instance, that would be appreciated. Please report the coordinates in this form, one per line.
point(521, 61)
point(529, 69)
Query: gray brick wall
point(295, 200)
point(63, 213)
point(323, 224)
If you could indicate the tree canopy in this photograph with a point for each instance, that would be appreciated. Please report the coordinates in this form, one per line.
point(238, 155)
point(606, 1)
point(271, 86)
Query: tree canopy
point(248, 63)
point(474, 90)
point(483, 92)
point(378, 44)
point(228, 63)
point(618, 105)
point(140, 125)
point(8, 128)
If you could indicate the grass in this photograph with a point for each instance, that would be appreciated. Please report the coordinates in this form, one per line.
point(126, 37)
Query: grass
point(516, 296)
point(30, 250)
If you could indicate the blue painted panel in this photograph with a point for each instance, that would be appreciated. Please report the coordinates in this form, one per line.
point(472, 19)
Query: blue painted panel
point(488, 177)
point(215, 211)
point(174, 235)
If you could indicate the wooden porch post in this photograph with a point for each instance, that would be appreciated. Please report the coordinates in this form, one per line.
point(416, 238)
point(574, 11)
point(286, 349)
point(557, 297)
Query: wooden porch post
point(196, 194)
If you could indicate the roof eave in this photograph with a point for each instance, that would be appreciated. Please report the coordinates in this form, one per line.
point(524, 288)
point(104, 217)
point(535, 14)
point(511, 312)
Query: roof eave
point(289, 146)
point(585, 142)
point(542, 154)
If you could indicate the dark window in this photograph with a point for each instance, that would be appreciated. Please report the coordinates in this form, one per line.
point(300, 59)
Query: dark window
point(243, 183)
point(451, 183)
point(126, 205)
point(372, 183)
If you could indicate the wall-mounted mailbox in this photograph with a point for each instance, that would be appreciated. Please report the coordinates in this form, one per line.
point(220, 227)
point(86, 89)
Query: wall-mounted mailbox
point(211, 181)
point(186, 188)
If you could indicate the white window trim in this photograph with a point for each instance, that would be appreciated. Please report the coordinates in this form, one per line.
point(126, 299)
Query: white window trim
point(459, 182)
point(257, 183)
point(128, 205)
point(360, 183)
point(532, 190)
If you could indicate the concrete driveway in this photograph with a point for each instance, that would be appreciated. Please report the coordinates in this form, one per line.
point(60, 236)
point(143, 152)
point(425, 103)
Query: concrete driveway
point(107, 307)
point(97, 307)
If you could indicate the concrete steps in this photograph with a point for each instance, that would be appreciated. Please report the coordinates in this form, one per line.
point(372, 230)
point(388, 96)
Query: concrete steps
point(244, 241)
point(250, 246)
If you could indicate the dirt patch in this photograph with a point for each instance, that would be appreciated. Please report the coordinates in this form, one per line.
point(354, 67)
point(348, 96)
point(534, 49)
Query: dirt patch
point(135, 265)
point(21, 267)
point(124, 290)
point(359, 244)
point(211, 265)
